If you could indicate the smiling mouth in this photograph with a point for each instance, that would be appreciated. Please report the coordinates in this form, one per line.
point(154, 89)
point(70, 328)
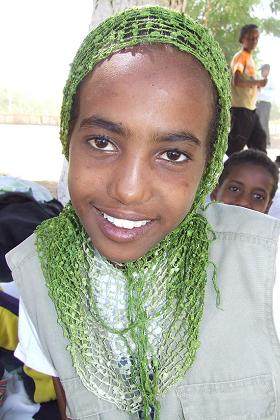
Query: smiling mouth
point(124, 223)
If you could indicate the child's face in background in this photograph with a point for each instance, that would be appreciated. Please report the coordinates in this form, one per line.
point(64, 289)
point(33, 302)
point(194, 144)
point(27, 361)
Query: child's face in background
point(250, 40)
point(138, 148)
point(247, 185)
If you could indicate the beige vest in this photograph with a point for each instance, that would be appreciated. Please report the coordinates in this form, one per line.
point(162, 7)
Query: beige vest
point(236, 375)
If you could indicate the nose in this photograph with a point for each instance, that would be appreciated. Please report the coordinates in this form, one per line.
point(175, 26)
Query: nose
point(243, 200)
point(131, 181)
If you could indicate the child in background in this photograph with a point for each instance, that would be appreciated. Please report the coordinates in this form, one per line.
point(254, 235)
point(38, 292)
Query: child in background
point(249, 179)
point(125, 317)
point(246, 128)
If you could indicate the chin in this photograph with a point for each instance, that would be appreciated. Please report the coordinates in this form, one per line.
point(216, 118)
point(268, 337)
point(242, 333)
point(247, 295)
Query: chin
point(121, 257)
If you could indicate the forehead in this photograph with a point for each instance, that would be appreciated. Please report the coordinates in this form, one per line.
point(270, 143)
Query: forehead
point(149, 61)
point(145, 75)
point(150, 90)
point(253, 33)
point(156, 51)
point(257, 173)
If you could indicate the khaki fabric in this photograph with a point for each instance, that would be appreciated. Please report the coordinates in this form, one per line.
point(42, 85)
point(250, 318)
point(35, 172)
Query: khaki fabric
point(236, 374)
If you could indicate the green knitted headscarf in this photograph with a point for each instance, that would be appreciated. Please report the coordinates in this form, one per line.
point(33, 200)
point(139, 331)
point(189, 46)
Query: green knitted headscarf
point(133, 331)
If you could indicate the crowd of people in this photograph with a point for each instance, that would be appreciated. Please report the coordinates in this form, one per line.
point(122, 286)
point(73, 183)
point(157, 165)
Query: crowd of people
point(136, 300)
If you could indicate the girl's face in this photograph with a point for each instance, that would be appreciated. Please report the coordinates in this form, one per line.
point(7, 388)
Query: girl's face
point(138, 148)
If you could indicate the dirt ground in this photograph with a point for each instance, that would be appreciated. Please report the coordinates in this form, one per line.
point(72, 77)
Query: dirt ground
point(50, 185)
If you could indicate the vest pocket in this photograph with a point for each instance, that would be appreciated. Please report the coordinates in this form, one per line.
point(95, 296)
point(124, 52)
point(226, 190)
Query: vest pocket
point(245, 399)
point(82, 404)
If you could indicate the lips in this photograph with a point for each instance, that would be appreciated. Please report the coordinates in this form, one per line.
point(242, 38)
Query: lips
point(122, 229)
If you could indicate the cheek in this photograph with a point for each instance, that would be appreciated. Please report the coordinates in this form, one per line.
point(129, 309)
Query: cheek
point(75, 186)
point(182, 197)
point(79, 178)
point(223, 195)
point(266, 204)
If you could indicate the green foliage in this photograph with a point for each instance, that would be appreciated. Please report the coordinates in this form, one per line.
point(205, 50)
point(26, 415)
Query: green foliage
point(225, 18)
point(271, 25)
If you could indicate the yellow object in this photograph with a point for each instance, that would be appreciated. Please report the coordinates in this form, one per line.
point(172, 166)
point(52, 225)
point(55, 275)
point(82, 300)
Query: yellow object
point(8, 329)
point(44, 389)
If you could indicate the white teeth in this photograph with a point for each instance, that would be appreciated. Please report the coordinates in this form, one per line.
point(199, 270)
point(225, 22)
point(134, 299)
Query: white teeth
point(123, 223)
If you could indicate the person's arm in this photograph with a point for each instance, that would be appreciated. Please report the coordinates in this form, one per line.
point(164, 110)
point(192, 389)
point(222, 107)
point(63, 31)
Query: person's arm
point(60, 395)
point(239, 81)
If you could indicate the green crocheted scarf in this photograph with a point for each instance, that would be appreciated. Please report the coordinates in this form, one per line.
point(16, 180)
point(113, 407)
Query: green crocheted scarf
point(134, 331)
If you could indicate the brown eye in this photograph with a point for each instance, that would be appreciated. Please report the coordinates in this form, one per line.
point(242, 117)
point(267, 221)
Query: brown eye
point(101, 143)
point(258, 196)
point(233, 188)
point(174, 156)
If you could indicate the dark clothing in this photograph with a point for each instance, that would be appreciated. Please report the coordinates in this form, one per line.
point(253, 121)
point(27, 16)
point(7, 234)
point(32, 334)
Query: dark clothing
point(9, 307)
point(246, 130)
point(263, 111)
point(20, 214)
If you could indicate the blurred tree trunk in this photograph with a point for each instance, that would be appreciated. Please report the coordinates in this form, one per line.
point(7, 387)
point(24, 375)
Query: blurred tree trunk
point(180, 5)
point(105, 8)
point(207, 12)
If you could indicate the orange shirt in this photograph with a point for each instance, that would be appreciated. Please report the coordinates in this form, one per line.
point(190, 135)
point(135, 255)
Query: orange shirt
point(244, 97)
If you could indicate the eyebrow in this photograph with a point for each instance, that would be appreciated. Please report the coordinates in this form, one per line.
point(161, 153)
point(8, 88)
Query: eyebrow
point(181, 136)
point(95, 121)
point(236, 181)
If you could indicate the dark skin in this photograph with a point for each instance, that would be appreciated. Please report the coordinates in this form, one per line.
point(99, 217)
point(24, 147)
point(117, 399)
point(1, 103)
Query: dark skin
point(60, 395)
point(172, 94)
point(246, 185)
point(164, 114)
point(249, 43)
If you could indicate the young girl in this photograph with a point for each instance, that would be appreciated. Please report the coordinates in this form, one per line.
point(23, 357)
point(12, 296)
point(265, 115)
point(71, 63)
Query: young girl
point(126, 315)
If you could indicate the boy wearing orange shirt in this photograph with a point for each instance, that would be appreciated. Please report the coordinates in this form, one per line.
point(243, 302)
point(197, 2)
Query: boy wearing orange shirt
point(245, 125)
